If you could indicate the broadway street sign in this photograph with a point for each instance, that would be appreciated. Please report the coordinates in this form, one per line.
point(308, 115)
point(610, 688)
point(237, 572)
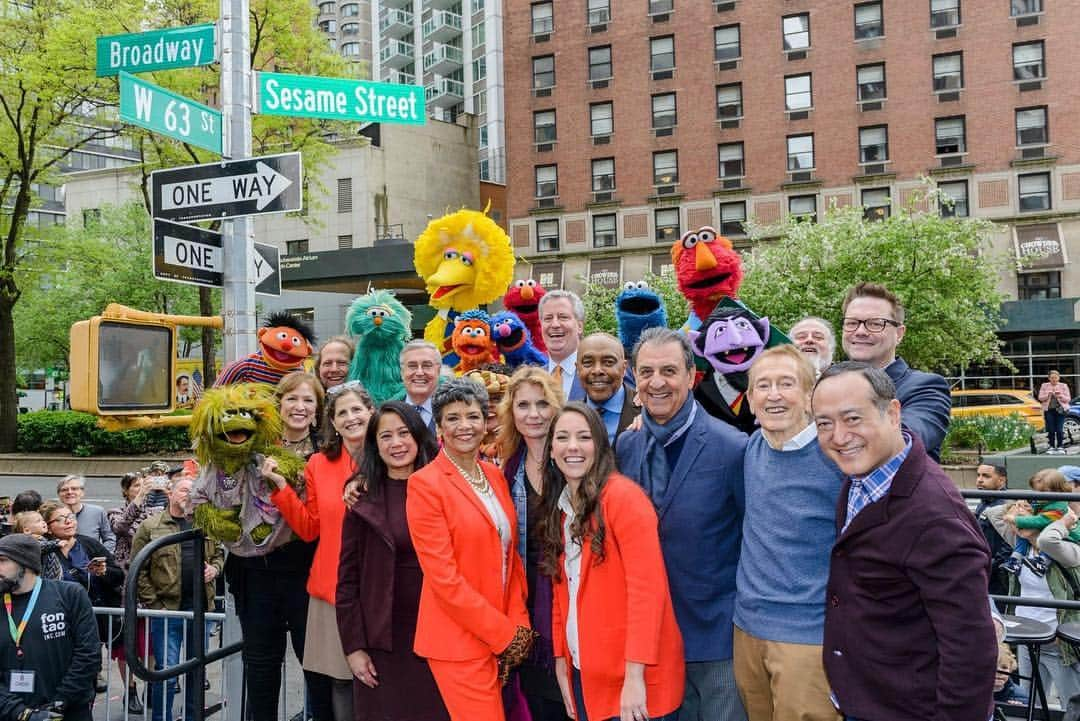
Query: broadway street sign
point(229, 189)
point(357, 101)
point(187, 254)
point(185, 47)
point(165, 112)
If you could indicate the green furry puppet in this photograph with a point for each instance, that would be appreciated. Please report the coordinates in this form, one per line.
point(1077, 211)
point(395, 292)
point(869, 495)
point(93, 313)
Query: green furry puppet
point(381, 326)
point(233, 429)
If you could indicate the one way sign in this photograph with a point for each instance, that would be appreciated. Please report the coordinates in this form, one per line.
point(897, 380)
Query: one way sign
point(229, 189)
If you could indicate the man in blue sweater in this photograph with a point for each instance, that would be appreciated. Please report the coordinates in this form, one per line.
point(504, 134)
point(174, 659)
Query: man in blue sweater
point(788, 531)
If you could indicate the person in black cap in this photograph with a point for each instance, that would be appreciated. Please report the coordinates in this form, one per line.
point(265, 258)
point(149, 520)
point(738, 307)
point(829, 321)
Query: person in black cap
point(48, 640)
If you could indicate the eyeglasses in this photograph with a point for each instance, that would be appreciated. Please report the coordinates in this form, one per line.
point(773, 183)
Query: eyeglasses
point(342, 387)
point(63, 519)
point(873, 325)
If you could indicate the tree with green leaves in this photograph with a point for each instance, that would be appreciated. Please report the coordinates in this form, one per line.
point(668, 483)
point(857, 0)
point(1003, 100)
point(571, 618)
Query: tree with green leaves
point(944, 271)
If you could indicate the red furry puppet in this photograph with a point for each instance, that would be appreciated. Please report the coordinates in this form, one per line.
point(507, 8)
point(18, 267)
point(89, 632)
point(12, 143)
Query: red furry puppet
point(523, 300)
point(284, 345)
point(707, 268)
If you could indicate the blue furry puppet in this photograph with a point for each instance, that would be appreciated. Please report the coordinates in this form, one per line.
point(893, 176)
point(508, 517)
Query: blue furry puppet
point(514, 340)
point(381, 326)
point(638, 308)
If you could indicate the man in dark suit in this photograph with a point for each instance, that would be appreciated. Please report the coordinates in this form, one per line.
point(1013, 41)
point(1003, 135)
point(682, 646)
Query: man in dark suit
point(601, 365)
point(908, 633)
point(691, 466)
point(562, 321)
point(873, 326)
point(420, 362)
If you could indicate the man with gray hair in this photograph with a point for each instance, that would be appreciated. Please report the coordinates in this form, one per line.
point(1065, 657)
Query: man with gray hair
point(562, 322)
point(814, 337)
point(420, 361)
point(908, 570)
point(691, 466)
point(90, 519)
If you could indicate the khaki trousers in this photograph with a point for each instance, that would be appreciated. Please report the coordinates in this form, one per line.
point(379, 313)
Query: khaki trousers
point(781, 681)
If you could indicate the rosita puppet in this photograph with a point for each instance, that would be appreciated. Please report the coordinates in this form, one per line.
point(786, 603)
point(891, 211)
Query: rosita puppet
point(232, 430)
point(466, 261)
point(472, 341)
point(380, 324)
point(284, 345)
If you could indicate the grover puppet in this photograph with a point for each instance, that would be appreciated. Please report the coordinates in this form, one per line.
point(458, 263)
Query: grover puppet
point(523, 300)
point(514, 341)
point(284, 344)
point(729, 339)
point(381, 326)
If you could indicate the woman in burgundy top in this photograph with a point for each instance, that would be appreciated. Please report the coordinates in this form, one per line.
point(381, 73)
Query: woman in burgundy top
point(379, 577)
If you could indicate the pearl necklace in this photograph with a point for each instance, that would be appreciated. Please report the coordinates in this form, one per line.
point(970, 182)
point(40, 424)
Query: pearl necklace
point(478, 482)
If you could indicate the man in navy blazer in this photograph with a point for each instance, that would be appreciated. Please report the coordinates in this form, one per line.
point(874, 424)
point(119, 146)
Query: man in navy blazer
point(691, 465)
point(873, 327)
point(562, 321)
point(908, 633)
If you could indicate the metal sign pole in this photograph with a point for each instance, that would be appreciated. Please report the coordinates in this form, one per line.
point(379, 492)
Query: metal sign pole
point(238, 295)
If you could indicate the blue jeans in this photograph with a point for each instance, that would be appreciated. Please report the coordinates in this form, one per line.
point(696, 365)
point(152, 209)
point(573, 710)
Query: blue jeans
point(579, 700)
point(167, 637)
point(1055, 428)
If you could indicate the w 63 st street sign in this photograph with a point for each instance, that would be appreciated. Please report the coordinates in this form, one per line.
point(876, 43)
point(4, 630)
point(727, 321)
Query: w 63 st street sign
point(165, 112)
point(253, 186)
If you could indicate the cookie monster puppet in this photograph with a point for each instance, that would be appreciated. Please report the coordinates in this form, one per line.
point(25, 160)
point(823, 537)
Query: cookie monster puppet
point(380, 325)
point(466, 261)
point(284, 344)
point(233, 428)
point(638, 308)
point(523, 300)
point(514, 341)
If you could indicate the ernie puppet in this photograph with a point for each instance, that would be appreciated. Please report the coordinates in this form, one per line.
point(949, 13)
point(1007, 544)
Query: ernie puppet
point(284, 344)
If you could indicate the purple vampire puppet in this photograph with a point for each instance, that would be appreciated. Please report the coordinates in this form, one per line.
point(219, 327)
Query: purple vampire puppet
point(729, 339)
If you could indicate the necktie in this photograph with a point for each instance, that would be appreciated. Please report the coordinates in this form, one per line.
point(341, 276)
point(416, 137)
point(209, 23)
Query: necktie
point(556, 373)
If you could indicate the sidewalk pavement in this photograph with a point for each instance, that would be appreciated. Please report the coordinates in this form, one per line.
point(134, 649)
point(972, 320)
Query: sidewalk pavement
point(58, 464)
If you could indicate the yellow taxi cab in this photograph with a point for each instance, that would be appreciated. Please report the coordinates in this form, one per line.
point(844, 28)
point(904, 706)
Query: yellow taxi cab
point(998, 402)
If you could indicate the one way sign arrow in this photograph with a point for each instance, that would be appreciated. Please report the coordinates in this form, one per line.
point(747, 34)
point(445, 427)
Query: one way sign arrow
point(270, 184)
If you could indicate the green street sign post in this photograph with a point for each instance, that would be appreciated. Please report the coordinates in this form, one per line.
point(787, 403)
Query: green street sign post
point(165, 112)
point(185, 47)
point(357, 101)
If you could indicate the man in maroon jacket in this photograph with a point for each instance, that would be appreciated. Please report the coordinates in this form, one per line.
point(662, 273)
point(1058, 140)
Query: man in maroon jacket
point(908, 633)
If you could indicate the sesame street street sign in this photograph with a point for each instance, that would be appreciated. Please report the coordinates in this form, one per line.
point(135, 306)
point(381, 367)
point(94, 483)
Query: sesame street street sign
point(357, 101)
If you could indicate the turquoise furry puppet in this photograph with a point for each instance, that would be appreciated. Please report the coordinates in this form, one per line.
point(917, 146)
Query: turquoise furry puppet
point(381, 326)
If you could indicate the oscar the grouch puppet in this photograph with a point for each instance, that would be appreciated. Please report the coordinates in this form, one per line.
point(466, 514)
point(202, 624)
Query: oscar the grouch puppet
point(233, 429)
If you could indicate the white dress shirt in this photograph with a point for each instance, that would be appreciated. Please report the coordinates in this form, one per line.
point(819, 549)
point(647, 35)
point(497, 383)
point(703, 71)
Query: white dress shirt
point(572, 569)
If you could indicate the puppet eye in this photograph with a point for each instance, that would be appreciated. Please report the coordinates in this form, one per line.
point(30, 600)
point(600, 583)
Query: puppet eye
point(282, 335)
point(742, 324)
point(531, 283)
point(467, 259)
point(479, 332)
point(706, 235)
point(450, 254)
point(629, 285)
point(642, 285)
point(296, 341)
point(243, 414)
point(689, 240)
point(519, 284)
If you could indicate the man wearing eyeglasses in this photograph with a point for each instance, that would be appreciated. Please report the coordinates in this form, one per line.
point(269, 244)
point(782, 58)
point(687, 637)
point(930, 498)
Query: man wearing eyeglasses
point(420, 361)
point(873, 325)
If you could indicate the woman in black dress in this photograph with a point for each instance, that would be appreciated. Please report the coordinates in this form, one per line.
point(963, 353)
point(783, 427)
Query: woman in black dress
point(379, 577)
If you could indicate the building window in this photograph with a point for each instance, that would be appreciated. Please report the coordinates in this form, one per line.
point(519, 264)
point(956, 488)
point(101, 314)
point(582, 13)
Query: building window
point(870, 80)
point(957, 192)
point(479, 102)
point(663, 111)
point(543, 18)
point(328, 26)
point(483, 137)
point(803, 207)
point(800, 153)
point(658, 7)
point(479, 68)
point(603, 231)
point(344, 195)
point(874, 144)
point(344, 242)
point(732, 217)
point(731, 160)
point(875, 202)
point(1034, 191)
point(350, 49)
point(547, 235)
point(667, 224)
point(665, 167)
point(350, 29)
point(1031, 127)
point(726, 40)
point(797, 94)
point(944, 13)
point(868, 21)
point(485, 169)
point(599, 11)
point(544, 71)
point(296, 247)
point(600, 63)
point(1028, 61)
point(326, 8)
point(351, 10)
point(601, 119)
point(1038, 286)
point(479, 34)
point(1025, 7)
point(948, 72)
point(796, 30)
point(603, 174)
point(950, 136)
point(729, 101)
point(547, 181)
point(662, 53)
point(544, 130)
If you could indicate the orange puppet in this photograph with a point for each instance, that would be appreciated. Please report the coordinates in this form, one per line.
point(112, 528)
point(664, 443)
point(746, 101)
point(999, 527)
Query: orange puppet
point(284, 344)
point(472, 341)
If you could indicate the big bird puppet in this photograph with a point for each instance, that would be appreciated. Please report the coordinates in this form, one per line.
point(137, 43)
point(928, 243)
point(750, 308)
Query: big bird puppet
point(466, 260)
point(233, 429)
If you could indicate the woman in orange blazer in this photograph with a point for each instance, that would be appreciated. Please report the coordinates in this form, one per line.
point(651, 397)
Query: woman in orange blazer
point(472, 625)
point(618, 650)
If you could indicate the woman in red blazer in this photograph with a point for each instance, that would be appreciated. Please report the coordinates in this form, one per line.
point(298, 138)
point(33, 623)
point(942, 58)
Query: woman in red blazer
point(618, 650)
point(472, 625)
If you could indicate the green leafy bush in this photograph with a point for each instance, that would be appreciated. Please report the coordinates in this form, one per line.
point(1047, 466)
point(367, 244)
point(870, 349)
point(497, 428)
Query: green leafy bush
point(78, 434)
point(988, 433)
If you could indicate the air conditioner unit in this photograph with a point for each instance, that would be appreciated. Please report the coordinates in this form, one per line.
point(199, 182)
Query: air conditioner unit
point(598, 84)
point(732, 183)
point(1032, 153)
point(796, 55)
point(1033, 85)
point(952, 161)
point(663, 132)
point(541, 38)
point(945, 33)
point(868, 107)
point(545, 147)
point(874, 169)
point(663, 74)
point(798, 114)
point(546, 202)
point(729, 124)
point(598, 28)
point(602, 197)
point(723, 6)
point(948, 97)
point(601, 140)
point(726, 65)
point(801, 177)
point(542, 92)
point(665, 190)
point(661, 17)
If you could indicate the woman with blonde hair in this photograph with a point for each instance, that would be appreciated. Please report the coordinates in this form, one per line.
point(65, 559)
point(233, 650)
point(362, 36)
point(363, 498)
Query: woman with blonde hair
point(300, 402)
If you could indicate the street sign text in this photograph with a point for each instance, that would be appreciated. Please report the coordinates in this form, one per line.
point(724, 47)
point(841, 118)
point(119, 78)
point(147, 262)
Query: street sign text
point(339, 99)
point(184, 47)
point(165, 112)
point(187, 254)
